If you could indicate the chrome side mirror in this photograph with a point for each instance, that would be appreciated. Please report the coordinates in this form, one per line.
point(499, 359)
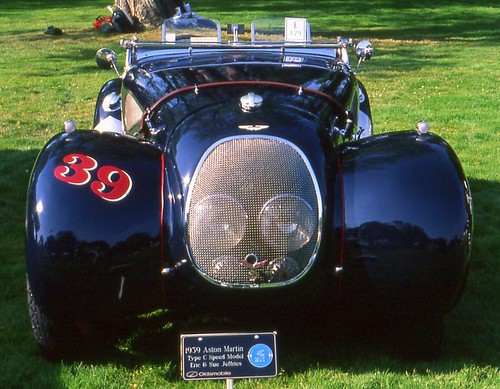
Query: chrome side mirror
point(364, 52)
point(106, 59)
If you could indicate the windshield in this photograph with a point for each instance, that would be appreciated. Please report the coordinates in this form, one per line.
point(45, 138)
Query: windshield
point(197, 29)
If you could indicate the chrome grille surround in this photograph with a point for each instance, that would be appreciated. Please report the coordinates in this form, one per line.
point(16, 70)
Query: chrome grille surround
point(229, 193)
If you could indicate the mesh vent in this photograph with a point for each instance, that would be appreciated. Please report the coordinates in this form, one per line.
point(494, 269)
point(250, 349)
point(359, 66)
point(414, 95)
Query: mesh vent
point(253, 212)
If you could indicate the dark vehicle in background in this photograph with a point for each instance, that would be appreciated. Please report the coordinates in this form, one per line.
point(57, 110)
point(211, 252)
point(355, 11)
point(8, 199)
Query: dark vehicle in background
point(242, 177)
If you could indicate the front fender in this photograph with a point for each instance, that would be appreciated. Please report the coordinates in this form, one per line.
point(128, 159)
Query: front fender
point(407, 221)
point(108, 108)
point(93, 223)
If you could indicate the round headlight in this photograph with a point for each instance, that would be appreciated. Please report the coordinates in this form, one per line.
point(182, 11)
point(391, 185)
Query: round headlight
point(220, 219)
point(287, 221)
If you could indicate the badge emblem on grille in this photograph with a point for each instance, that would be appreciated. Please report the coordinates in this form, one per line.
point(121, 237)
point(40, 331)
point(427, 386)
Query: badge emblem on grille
point(253, 127)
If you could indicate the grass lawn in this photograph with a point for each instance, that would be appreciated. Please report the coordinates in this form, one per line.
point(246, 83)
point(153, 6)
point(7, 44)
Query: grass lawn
point(434, 61)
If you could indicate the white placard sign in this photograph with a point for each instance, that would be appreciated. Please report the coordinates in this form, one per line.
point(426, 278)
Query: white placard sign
point(296, 30)
point(228, 356)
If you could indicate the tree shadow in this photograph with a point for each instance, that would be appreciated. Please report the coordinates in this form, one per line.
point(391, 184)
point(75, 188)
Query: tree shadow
point(354, 342)
point(384, 19)
point(29, 5)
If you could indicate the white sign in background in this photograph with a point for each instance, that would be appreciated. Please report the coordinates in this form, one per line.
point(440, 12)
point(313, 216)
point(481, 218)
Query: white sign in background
point(296, 30)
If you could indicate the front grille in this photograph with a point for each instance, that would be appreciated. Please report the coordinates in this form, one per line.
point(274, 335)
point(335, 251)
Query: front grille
point(253, 212)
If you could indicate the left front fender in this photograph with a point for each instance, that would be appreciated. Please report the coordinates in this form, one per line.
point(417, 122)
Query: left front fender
point(407, 221)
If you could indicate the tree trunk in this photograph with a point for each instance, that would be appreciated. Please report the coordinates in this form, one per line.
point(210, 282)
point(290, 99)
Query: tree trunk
point(150, 11)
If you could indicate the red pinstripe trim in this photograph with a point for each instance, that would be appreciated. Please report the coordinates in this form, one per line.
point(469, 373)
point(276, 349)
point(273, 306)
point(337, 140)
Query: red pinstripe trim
point(342, 229)
point(162, 226)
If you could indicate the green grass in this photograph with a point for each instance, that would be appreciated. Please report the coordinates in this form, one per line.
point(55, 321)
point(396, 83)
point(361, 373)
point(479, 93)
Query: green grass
point(434, 60)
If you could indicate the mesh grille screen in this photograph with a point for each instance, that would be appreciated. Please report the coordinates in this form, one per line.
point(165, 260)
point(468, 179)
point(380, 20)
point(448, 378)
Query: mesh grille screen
point(240, 184)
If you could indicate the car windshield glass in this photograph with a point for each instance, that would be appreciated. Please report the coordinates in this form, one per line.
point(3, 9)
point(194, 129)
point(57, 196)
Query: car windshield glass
point(194, 28)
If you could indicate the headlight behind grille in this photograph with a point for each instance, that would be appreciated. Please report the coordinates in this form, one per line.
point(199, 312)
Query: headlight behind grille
point(253, 212)
point(287, 221)
point(221, 220)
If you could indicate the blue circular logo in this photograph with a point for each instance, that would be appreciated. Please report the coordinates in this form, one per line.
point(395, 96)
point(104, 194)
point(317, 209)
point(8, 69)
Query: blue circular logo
point(260, 355)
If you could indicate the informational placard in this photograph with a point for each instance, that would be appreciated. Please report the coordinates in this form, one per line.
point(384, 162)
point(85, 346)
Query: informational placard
point(296, 30)
point(229, 356)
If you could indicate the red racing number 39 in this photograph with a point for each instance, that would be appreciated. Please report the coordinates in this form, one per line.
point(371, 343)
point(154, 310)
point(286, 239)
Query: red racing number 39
point(112, 183)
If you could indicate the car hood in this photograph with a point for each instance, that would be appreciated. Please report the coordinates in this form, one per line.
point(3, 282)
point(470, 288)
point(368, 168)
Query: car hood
point(300, 120)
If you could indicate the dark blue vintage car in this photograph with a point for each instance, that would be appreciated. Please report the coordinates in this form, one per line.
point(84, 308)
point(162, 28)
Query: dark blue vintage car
point(242, 176)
